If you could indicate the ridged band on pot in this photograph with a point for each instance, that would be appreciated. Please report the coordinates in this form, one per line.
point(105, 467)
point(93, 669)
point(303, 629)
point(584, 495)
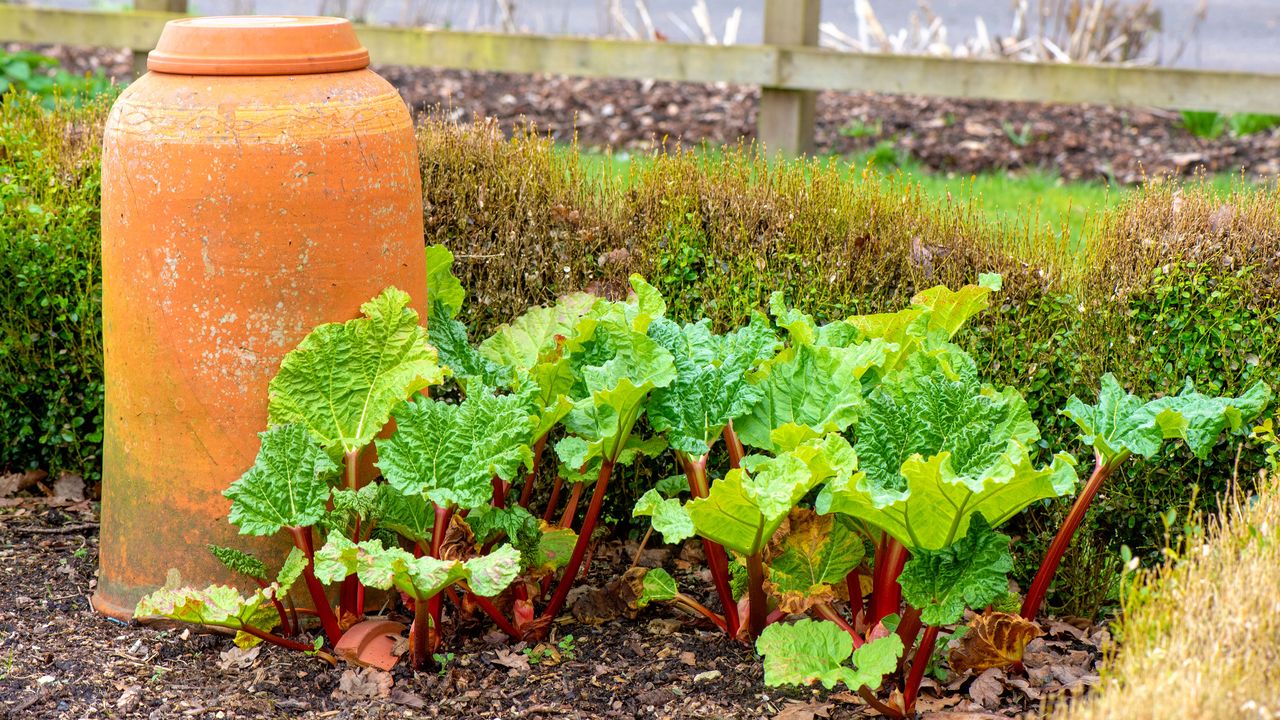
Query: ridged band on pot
point(239, 211)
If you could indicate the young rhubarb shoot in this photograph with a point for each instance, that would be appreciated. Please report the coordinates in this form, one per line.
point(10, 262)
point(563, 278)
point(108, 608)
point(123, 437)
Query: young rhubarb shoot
point(1121, 425)
point(810, 651)
point(421, 578)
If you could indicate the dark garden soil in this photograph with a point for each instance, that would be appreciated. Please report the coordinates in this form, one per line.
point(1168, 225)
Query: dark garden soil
point(58, 659)
point(958, 136)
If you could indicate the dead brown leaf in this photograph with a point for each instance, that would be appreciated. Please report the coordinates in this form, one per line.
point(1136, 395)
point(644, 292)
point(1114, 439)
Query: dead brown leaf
point(235, 659)
point(688, 658)
point(804, 711)
point(69, 487)
point(363, 684)
point(514, 660)
point(459, 542)
point(14, 483)
point(987, 688)
point(994, 640)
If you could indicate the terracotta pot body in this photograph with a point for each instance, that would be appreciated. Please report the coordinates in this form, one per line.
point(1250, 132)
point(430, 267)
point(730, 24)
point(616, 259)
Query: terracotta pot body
point(240, 208)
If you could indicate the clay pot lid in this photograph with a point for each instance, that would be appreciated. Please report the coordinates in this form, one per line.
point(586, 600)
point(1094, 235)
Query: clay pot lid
point(257, 45)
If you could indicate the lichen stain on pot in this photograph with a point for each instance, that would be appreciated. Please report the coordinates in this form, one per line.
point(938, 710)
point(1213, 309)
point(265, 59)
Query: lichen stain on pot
point(239, 211)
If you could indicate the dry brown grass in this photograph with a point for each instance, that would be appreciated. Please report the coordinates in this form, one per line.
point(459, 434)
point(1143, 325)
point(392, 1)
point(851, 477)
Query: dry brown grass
point(1200, 637)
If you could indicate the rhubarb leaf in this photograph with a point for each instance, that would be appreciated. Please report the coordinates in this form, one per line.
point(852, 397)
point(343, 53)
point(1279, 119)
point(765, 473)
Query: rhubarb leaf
point(711, 387)
point(658, 586)
point(971, 572)
point(343, 379)
point(668, 516)
point(527, 340)
point(292, 568)
point(554, 549)
point(616, 366)
point(449, 337)
point(288, 485)
point(807, 563)
point(810, 651)
point(240, 562)
point(744, 509)
point(811, 385)
point(383, 568)
point(442, 286)
point(449, 453)
point(216, 606)
point(935, 448)
point(409, 515)
point(1121, 423)
point(490, 574)
point(938, 503)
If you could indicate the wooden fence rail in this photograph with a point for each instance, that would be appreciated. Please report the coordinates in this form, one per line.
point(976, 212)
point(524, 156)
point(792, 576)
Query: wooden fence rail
point(788, 72)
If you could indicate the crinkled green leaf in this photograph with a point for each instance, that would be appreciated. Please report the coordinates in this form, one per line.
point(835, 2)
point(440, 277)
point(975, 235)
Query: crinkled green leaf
point(816, 553)
point(449, 337)
point(490, 574)
point(527, 340)
point(971, 572)
point(545, 389)
point(288, 485)
point(672, 486)
point(449, 453)
point(812, 385)
point(442, 286)
point(385, 567)
point(938, 503)
point(1121, 423)
point(343, 379)
point(490, 522)
point(744, 509)
point(362, 503)
point(668, 516)
point(935, 448)
point(657, 586)
point(926, 411)
point(711, 386)
point(294, 564)
point(216, 605)
point(811, 651)
point(240, 562)
point(410, 515)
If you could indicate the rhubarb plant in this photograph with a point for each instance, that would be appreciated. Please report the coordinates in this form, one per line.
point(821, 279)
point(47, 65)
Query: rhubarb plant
point(1121, 425)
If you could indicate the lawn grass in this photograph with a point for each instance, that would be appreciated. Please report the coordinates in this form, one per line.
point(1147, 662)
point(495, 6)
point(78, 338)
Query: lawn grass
point(1009, 198)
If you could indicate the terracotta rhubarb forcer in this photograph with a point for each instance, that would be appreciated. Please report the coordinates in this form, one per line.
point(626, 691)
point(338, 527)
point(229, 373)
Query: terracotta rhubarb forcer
point(259, 181)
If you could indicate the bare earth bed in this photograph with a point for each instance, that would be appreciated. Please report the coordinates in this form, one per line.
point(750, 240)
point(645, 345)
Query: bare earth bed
point(957, 136)
point(59, 659)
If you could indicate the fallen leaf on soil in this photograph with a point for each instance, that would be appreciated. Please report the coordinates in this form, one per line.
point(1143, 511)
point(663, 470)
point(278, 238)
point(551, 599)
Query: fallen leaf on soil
point(707, 676)
point(688, 658)
point(407, 699)
point(129, 698)
point(930, 704)
point(509, 659)
point(69, 487)
point(987, 688)
point(235, 659)
point(363, 684)
point(804, 711)
point(14, 483)
point(994, 640)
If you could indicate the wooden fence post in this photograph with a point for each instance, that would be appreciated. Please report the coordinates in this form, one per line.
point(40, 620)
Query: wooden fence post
point(786, 118)
point(171, 6)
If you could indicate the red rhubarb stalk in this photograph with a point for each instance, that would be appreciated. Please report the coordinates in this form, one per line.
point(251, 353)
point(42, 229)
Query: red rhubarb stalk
point(584, 539)
point(571, 507)
point(717, 559)
point(734, 446)
point(349, 593)
point(1049, 567)
point(757, 601)
point(886, 594)
point(324, 611)
point(918, 665)
point(526, 492)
